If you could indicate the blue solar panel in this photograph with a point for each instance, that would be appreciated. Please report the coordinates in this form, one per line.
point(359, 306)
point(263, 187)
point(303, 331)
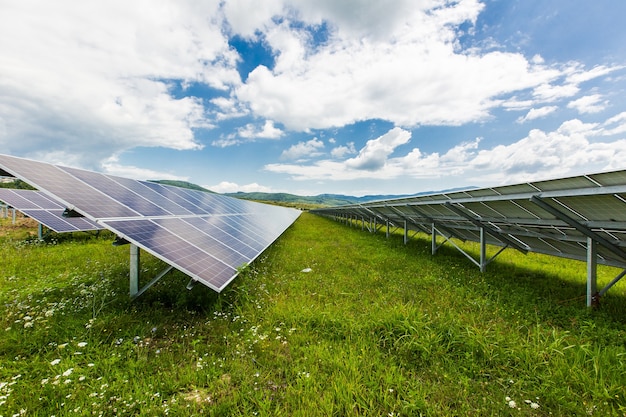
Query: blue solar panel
point(166, 245)
point(46, 211)
point(220, 245)
point(143, 189)
point(173, 194)
point(65, 188)
point(207, 236)
point(123, 195)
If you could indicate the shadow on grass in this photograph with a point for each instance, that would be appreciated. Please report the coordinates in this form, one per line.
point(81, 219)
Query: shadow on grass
point(554, 297)
point(538, 284)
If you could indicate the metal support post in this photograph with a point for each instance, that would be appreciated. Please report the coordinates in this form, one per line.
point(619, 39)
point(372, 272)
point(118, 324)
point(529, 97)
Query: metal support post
point(134, 270)
point(14, 216)
point(406, 232)
point(434, 238)
point(387, 228)
point(40, 231)
point(483, 250)
point(592, 275)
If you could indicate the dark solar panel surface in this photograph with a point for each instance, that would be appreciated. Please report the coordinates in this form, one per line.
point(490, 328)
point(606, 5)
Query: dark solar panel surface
point(207, 236)
point(46, 211)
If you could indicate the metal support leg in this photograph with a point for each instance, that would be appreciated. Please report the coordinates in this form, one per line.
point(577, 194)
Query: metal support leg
point(433, 239)
point(483, 250)
point(40, 231)
point(592, 275)
point(14, 216)
point(406, 232)
point(134, 270)
point(387, 228)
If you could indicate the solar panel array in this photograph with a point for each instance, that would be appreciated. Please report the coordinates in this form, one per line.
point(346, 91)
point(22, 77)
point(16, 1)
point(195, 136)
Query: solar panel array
point(46, 211)
point(552, 217)
point(207, 236)
point(556, 217)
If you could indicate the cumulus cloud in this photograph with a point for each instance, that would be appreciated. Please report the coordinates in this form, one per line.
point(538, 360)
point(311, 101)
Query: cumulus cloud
point(92, 78)
point(267, 131)
point(537, 113)
point(232, 187)
point(376, 151)
point(112, 166)
point(572, 147)
point(80, 82)
point(343, 150)
point(588, 104)
point(411, 72)
point(304, 150)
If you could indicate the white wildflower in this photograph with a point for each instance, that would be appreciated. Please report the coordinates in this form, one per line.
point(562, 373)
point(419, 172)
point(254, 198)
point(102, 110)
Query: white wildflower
point(534, 405)
point(68, 372)
point(55, 362)
point(512, 404)
point(82, 344)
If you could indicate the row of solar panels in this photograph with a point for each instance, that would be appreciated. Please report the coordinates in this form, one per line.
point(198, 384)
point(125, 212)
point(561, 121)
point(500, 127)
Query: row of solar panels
point(552, 217)
point(207, 236)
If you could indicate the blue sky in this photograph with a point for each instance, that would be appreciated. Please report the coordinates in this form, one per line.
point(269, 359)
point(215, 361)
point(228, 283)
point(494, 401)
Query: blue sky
point(317, 96)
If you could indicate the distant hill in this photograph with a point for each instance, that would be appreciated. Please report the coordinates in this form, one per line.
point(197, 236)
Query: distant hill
point(327, 199)
point(294, 200)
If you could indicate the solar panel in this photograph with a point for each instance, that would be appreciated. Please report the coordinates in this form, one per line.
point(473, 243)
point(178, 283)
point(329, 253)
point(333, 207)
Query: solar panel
point(561, 217)
point(205, 235)
point(45, 211)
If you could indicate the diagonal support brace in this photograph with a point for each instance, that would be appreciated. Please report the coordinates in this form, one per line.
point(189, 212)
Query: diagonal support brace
point(488, 228)
point(579, 226)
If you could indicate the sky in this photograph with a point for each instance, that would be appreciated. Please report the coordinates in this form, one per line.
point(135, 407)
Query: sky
point(354, 97)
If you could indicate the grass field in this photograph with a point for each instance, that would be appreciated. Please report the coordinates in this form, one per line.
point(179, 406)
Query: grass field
point(375, 328)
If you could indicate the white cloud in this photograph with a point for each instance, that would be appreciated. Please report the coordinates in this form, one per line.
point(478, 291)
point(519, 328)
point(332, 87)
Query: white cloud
point(113, 167)
point(376, 151)
point(578, 75)
point(615, 125)
point(267, 131)
point(571, 149)
point(409, 73)
point(231, 187)
point(550, 92)
point(92, 77)
point(588, 104)
point(537, 113)
point(245, 17)
point(341, 151)
point(304, 150)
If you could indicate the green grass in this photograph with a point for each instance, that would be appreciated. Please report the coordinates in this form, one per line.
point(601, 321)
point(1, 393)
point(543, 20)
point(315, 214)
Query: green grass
point(376, 328)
